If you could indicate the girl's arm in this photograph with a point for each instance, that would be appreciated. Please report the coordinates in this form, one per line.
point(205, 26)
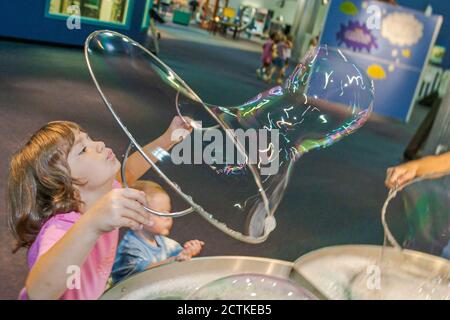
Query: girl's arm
point(119, 208)
point(47, 279)
point(137, 165)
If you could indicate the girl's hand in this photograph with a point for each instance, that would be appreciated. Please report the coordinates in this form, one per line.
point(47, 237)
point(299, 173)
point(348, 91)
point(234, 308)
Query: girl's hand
point(191, 249)
point(178, 129)
point(399, 175)
point(119, 208)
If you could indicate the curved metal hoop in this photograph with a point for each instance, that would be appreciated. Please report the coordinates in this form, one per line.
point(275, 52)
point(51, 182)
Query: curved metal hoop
point(194, 207)
point(158, 213)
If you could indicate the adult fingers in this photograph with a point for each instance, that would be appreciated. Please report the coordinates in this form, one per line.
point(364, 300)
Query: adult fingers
point(393, 176)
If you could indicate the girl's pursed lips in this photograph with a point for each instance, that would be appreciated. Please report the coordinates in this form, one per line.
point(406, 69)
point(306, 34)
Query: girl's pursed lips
point(110, 154)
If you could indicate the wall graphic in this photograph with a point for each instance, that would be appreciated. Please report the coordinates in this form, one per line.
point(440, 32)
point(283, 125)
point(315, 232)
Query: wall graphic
point(391, 43)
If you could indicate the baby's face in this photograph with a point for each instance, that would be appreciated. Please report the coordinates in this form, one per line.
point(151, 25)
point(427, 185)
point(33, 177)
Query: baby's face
point(159, 201)
point(161, 225)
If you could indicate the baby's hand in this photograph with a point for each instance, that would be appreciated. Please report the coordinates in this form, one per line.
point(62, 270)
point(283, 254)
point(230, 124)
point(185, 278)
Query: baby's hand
point(191, 249)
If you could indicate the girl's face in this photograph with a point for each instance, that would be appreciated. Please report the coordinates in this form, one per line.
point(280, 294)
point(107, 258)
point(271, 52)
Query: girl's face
point(91, 162)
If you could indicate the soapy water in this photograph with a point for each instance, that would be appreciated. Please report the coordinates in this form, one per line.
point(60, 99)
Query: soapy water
point(251, 287)
point(326, 98)
point(358, 274)
point(177, 288)
point(221, 286)
point(399, 282)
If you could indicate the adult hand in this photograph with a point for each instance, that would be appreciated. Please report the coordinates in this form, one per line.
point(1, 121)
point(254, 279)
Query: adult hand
point(400, 175)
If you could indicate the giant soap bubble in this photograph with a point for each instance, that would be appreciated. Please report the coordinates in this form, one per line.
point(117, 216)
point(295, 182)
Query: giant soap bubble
point(251, 287)
point(234, 166)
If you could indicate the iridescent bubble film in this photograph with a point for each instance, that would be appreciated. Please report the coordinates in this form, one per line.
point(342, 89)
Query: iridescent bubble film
point(418, 215)
point(251, 287)
point(234, 167)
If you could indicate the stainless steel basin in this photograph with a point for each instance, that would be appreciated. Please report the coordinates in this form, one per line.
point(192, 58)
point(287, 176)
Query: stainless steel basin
point(179, 279)
point(328, 273)
point(335, 272)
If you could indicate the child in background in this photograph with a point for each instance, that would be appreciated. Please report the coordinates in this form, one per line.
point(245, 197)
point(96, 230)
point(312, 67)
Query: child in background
point(147, 248)
point(287, 53)
point(65, 204)
point(279, 59)
point(266, 57)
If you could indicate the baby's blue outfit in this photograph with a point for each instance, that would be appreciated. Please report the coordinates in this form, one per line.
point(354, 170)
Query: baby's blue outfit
point(135, 254)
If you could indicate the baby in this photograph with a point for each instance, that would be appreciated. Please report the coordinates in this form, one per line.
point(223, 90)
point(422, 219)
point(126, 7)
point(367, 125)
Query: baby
point(149, 247)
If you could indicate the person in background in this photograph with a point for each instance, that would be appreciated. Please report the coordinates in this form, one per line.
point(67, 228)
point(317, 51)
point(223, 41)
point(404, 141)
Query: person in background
point(266, 57)
point(164, 6)
point(193, 4)
point(314, 42)
point(287, 53)
point(279, 60)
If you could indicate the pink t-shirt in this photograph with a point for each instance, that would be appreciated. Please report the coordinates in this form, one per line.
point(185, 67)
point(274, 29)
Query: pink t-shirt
point(94, 272)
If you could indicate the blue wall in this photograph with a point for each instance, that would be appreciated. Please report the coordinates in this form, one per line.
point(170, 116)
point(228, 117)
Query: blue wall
point(26, 19)
point(441, 7)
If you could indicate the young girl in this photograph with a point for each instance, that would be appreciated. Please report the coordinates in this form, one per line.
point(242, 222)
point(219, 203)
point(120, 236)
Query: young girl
point(266, 57)
point(65, 204)
point(287, 53)
point(279, 59)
